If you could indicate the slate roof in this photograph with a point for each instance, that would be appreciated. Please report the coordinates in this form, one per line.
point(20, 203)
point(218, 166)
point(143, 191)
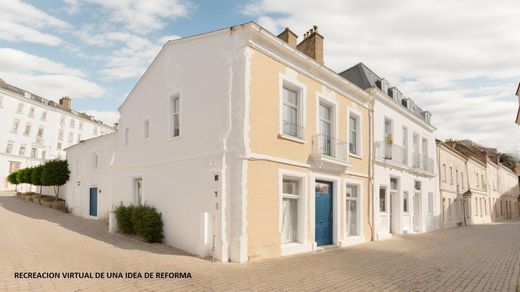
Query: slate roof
point(365, 78)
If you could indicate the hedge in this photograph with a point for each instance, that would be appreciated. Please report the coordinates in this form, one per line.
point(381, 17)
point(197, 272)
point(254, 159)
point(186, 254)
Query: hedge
point(141, 220)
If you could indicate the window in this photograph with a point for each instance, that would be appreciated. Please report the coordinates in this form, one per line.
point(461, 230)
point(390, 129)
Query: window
point(405, 202)
point(80, 127)
point(13, 166)
point(417, 185)
point(9, 147)
point(430, 203)
point(292, 113)
point(325, 128)
point(476, 174)
point(79, 137)
point(40, 131)
point(354, 137)
point(27, 130)
point(43, 154)
point(146, 128)
point(62, 120)
point(443, 174)
point(58, 146)
point(388, 129)
point(72, 123)
point(19, 109)
point(14, 128)
point(352, 209)
point(175, 116)
point(405, 137)
point(290, 210)
point(451, 175)
point(127, 133)
point(483, 181)
point(95, 160)
point(138, 191)
point(462, 179)
point(31, 112)
point(34, 152)
point(449, 208)
point(60, 134)
point(382, 199)
point(21, 152)
point(71, 137)
point(43, 116)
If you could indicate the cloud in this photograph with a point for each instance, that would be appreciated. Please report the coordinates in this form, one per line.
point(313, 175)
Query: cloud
point(107, 117)
point(140, 16)
point(23, 22)
point(444, 54)
point(45, 77)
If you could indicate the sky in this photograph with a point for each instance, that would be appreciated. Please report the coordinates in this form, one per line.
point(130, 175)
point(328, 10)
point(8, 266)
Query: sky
point(460, 60)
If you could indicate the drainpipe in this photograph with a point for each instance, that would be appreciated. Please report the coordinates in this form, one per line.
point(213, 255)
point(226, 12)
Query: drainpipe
point(439, 184)
point(371, 212)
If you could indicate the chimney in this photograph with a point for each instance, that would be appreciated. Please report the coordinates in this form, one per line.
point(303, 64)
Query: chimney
point(312, 44)
point(65, 102)
point(289, 37)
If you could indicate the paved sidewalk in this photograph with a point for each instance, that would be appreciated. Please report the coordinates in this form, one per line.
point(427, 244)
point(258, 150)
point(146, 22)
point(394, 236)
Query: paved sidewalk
point(37, 239)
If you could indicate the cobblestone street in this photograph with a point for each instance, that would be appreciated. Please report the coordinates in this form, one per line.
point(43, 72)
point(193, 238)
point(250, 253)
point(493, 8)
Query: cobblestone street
point(36, 239)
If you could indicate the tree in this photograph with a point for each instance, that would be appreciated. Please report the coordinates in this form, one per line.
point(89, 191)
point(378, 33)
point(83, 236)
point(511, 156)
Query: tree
point(11, 178)
point(55, 173)
point(27, 174)
point(36, 177)
point(508, 160)
point(20, 176)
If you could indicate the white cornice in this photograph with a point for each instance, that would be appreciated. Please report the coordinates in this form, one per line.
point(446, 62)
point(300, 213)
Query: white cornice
point(453, 151)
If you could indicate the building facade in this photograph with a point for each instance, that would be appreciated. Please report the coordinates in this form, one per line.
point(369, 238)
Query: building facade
point(453, 183)
point(270, 157)
point(35, 129)
point(518, 113)
point(405, 191)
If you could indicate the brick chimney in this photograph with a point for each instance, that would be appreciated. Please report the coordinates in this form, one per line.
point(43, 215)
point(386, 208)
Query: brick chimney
point(312, 44)
point(65, 102)
point(289, 37)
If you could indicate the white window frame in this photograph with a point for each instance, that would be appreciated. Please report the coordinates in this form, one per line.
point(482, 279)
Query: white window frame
point(27, 129)
point(387, 189)
point(43, 116)
point(71, 137)
point(328, 101)
point(302, 244)
point(291, 83)
point(146, 128)
point(126, 138)
point(19, 108)
point(32, 110)
point(135, 197)
point(21, 150)
point(359, 132)
point(406, 195)
point(34, 152)
point(9, 147)
point(359, 200)
point(172, 111)
point(14, 130)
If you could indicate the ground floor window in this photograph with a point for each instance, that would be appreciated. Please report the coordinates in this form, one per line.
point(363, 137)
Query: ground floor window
point(290, 210)
point(405, 202)
point(352, 209)
point(138, 190)
point(382, 199)
point(430, 203)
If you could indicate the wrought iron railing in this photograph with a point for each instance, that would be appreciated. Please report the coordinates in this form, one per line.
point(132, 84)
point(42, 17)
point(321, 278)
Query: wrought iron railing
point(391, 152)
point(292, 129)
point(329, 146)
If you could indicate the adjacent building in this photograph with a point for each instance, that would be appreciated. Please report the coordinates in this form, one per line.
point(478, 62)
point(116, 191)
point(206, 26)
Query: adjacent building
point(253, 149)
point(405, 193)
point(35, 129)
point(518, 113)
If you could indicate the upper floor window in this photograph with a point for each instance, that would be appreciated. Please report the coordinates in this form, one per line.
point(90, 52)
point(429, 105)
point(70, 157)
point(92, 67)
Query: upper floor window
point(62, 120)
point(43, 116)
point(443, 172)
point(34, 152)
point(354, 139)
point(31, 112)
point(59, 146)
point(292, 113)
point(21, 152)
point(71, 137)
point(16, 125)
point(9, 147)
point(73, 123)
point(40, 131)
point(60, 134)
point(325, 129)
point(146, 128)
point(451, 175)
point(405, 137)
point(27, 130)
point(417, 185)
point(19, 109)
point(388, 131)
point(80, 127)
point(175, 112)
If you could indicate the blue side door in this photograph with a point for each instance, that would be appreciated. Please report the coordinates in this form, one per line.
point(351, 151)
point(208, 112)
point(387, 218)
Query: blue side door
point(93, 202)
point(323, 213)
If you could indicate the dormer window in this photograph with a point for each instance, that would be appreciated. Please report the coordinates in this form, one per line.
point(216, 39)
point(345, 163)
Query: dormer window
point(428, 117)
point(410, 105)
point(383, 85)
point(395, 94)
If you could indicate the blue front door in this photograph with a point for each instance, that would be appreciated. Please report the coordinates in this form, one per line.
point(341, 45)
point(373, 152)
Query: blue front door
point(93, 202)
point(323, 223)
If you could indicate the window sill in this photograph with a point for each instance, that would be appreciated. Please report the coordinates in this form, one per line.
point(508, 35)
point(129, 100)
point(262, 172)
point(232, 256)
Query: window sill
point(169, 139)
point(358, 156)
point(291, 138)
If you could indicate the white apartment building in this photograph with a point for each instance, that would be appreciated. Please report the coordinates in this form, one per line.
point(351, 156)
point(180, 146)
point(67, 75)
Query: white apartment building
point(405, 194)
point(34, 129)
point(508, 185)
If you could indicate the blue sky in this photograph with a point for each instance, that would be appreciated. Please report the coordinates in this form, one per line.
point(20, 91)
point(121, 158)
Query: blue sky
point(457, 59)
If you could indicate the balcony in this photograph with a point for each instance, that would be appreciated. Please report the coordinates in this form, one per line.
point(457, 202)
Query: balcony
point(329, 152)
point(391, 152)
point(422, 162)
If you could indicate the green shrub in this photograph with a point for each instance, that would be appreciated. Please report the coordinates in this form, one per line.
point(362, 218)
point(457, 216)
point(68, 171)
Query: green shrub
point(152, 225)
point(55, 173)
point(20, 176)
point(124, 219)
point(141, 220)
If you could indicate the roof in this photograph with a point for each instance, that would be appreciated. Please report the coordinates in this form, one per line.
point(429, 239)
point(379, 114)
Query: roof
point(365, 78)
point(48, 103)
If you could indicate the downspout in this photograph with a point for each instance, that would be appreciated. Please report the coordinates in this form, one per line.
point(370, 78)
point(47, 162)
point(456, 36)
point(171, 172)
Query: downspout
point(371, 204)
point(439, 181)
